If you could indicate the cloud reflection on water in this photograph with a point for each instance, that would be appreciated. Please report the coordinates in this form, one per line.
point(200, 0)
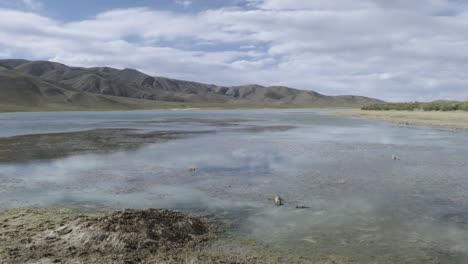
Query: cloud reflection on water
point(358, 197)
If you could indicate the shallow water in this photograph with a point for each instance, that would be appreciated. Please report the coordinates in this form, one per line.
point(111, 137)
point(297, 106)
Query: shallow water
point(362, 203)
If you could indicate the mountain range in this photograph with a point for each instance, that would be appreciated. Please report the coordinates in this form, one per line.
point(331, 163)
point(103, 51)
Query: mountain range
point(44, 85)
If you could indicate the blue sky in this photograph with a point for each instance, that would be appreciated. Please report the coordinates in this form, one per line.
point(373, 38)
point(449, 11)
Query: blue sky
point(76, 10)
point(394, 50)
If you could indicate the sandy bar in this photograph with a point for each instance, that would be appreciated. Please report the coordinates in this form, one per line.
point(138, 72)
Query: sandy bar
point(449, 120)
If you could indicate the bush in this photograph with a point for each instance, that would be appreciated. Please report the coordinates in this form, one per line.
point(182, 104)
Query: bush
point(393, 106)
point(442, 106)
point(433, 106)
point(463, 106)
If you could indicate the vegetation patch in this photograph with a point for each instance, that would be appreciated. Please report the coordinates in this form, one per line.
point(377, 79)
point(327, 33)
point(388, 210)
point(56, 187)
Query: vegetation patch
point(412, 106)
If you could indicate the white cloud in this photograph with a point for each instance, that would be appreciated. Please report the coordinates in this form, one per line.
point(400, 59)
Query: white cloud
point(184, 3)
point(403, 50)
point(32, 4)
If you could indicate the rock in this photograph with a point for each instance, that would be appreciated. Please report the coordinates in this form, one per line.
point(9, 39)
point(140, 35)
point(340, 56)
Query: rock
point(191, 169)
point(302, 207)
point(395, 157)
point(341, 182)
point(51, 237)
point(63, 230)
point(310, 240)
point(278, 201)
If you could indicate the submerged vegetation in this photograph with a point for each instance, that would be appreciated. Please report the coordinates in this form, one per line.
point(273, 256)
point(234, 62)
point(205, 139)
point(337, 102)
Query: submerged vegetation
point(432, 106)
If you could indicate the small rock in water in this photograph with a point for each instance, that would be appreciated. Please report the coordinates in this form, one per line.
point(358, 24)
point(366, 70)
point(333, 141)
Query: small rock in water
point(310, 240)
point(278, 201)
point(192, 169)
point(395, 157)
point(302, 207)
point(341, 182)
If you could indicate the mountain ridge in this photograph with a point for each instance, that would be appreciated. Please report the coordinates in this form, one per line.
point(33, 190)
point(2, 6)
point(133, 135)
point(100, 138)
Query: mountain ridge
point(100, 83)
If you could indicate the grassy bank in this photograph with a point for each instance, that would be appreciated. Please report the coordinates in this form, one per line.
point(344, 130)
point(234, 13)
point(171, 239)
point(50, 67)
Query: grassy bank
point(450, 120)
point(444, 106)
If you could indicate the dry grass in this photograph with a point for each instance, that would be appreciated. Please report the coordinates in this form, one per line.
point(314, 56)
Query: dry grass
point(453, 120)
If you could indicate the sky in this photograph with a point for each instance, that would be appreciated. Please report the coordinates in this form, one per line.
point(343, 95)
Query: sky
point(396, 50)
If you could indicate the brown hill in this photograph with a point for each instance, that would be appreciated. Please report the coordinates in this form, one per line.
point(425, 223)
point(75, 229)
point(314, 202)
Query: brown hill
point(44, 83)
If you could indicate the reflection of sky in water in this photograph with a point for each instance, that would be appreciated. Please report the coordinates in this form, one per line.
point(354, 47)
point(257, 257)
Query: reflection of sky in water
point(361, 202)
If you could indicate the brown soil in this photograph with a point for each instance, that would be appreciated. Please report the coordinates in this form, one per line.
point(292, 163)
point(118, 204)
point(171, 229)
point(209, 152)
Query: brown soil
point(129, 236)
point(59, 235)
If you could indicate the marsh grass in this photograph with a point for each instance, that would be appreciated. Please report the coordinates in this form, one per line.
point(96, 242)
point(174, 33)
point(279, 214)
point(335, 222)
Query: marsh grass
point(444, 106)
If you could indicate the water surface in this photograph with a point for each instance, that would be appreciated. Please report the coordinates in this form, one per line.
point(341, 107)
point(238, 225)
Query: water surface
point(362, 203)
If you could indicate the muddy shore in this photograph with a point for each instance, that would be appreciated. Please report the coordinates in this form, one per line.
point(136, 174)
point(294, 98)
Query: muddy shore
point(64, 235)
point(57, 145)
point(445, 120)
point(24, 148)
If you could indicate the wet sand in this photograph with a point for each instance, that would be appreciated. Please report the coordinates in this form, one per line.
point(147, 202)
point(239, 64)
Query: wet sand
point(449, 120)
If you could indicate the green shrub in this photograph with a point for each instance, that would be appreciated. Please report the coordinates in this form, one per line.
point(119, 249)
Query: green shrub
point(442, 106)
point(393, 106)
point(463, 106)
point(433, 106)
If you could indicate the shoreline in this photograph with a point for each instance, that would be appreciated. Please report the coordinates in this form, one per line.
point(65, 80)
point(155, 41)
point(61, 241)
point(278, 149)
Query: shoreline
point(445, 120)
point(174, 108)
point(71, 235)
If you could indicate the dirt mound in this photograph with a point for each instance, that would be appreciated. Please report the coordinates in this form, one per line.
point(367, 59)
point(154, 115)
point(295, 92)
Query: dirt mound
point(70, 236)
point(128, 236)
point(130, 231)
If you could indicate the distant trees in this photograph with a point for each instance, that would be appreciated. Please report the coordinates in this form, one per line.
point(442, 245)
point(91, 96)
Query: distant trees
point(393, 106)
point(464, 106)
point(433, 106)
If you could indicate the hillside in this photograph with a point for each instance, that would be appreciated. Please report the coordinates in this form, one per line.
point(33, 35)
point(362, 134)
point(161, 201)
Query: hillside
point(37, 84)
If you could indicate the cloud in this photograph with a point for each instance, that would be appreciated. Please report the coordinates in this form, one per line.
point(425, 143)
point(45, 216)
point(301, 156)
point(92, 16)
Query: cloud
point(183, 3)
point(415, 6)
point(32, 4)
point(396, 51)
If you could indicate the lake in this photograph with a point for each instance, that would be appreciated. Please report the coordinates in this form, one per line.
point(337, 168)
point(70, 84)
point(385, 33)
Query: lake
point(360, 202)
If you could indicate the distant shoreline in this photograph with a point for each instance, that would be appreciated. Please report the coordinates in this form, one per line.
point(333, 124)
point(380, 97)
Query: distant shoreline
point(448, 120)
point(26, 109)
